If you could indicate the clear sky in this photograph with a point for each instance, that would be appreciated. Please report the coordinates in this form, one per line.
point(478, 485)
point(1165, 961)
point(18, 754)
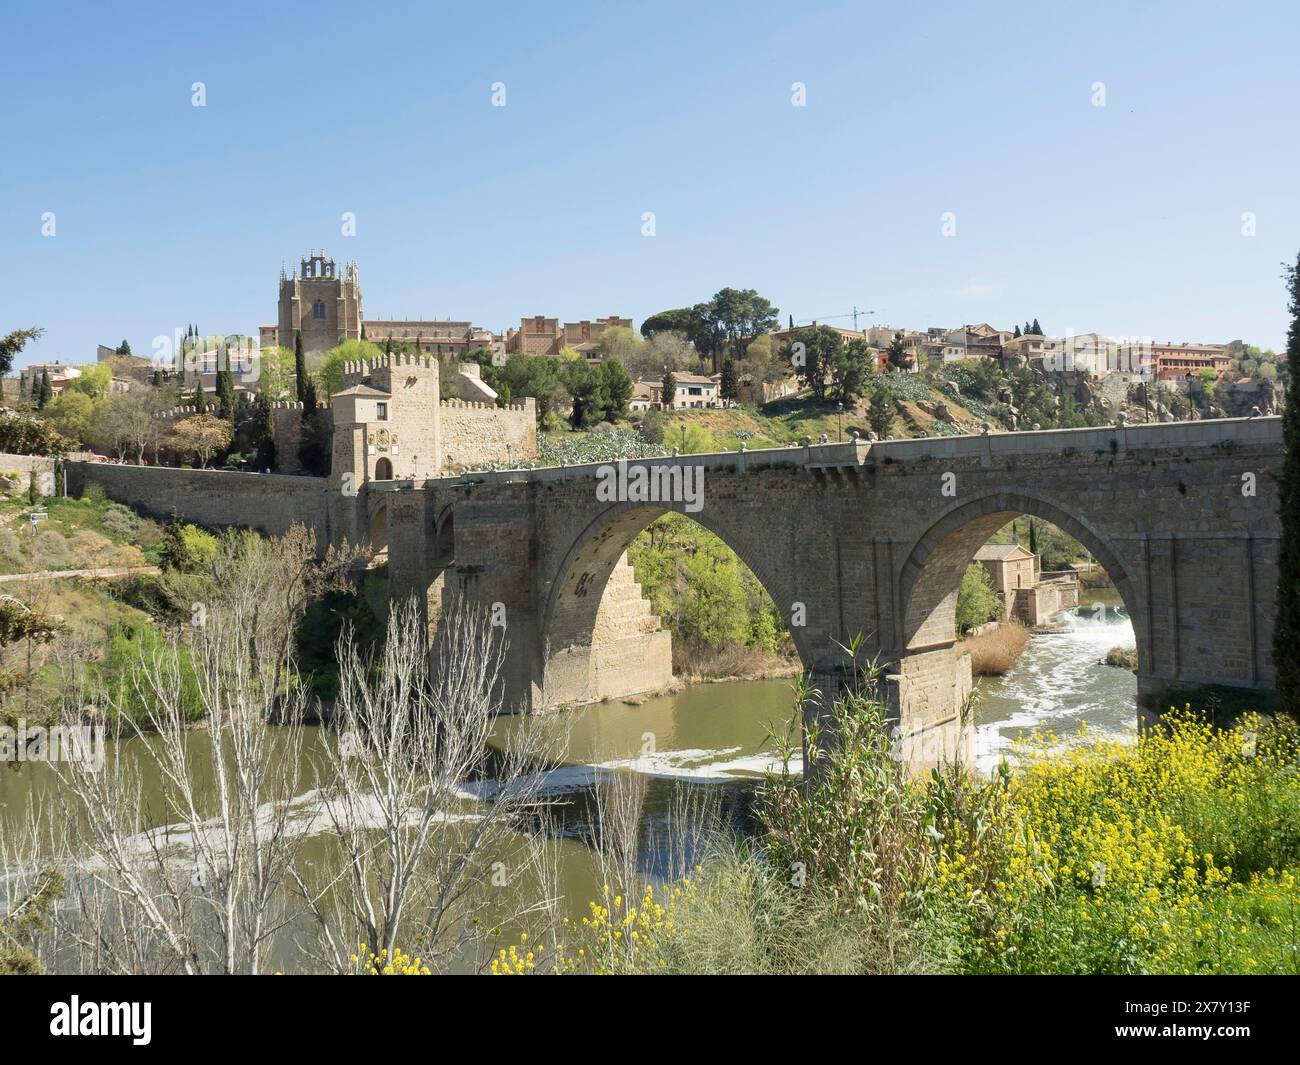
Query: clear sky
point(1124, 219)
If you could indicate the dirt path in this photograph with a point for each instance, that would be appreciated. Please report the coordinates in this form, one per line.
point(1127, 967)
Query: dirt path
point(55, 574)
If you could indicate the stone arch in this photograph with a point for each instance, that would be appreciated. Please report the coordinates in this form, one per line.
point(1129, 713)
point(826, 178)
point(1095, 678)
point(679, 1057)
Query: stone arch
point(444, 556)
point(578, 625)
point(933, 683)
point(379, 534)
point(384, 469)
point(931, 574)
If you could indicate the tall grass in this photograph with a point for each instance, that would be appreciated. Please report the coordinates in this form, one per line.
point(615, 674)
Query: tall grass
point(993, 653)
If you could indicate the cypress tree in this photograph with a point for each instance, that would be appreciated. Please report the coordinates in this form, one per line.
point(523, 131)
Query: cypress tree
point(727, 386)
point(669, 386)
point(264, 433)
point(200, 399)
point(309, 401)
point(1286, 629)
point(46, 391)
point(299, 366)
point(226, 394)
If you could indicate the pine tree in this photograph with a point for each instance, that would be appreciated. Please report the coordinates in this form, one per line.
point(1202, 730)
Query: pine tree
point(880, 414)
point(1038, 329)
point(299, 366)
point(1017, 333)
point(1286, 629)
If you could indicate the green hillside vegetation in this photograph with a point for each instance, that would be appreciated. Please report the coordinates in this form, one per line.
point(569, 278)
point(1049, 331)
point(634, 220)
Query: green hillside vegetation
point(722, 620)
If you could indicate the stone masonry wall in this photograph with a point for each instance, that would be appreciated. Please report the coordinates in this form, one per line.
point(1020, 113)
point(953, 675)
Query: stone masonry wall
point(218, 498)
point(477, 433)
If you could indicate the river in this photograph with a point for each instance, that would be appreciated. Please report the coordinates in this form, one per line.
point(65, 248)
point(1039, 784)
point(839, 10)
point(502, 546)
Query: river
point(709, 743)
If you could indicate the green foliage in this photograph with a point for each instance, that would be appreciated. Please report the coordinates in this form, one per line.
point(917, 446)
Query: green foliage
point(851, 368)
point(129, 647)
point(821, 348)
point(186, 548)
point(323, 622)
point(13, 343)
point(667, 390)
point(21, 434)
point(329, 374)
point(977, 602)
point(725, 325)
point(880, 413)
point(23, 915)
point(299, 366)
point(538, 376)
point(727, 387)
point(1286, 628)
point(121, 522)
point(700, 589)
point(652, 427)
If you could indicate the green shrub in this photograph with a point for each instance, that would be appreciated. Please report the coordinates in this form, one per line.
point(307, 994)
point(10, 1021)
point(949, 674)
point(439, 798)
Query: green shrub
point(977, 602)
point(120, 522)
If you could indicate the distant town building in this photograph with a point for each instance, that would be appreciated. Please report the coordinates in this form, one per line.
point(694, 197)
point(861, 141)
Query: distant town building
point(432, 337)
point(1178, 360)
point(540, 335)
point(983, 341)
point(693, 390)
point(61, 375)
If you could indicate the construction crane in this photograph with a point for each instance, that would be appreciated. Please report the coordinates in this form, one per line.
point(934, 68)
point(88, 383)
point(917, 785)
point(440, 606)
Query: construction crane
point(855, 314)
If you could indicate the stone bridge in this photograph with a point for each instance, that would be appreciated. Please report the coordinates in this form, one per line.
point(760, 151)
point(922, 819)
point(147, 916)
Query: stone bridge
point(854, 538)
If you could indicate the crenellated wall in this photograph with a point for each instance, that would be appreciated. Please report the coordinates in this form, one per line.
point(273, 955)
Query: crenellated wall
point(475, 433)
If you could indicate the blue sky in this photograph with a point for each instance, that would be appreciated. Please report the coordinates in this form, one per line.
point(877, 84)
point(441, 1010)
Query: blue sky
point(1124, 219)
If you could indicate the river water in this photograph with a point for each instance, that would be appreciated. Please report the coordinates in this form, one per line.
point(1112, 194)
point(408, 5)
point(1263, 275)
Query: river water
point(712, 742)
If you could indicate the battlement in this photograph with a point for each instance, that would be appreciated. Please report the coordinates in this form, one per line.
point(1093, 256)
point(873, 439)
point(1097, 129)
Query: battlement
point(356, 371)
point(177, 412)
point(526, 404)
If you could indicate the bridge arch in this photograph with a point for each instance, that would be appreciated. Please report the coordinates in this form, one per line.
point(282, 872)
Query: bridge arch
point(930, 580)
point(585, 634)
point(378, 532)
point(931, 574)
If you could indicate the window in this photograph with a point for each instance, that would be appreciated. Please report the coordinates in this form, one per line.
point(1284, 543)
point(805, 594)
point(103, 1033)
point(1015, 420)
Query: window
point(318, 310)
point(381, 412)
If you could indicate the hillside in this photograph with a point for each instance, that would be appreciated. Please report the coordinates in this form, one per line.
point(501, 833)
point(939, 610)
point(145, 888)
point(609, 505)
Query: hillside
point(918, 409)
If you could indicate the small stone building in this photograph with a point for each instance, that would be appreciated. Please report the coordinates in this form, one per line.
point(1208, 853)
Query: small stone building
point(1030, 597)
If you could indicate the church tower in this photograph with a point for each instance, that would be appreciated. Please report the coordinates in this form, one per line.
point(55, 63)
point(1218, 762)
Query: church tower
point(320, 303)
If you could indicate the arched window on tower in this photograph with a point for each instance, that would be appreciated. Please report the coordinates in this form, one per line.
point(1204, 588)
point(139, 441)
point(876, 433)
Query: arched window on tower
point(318, 310)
